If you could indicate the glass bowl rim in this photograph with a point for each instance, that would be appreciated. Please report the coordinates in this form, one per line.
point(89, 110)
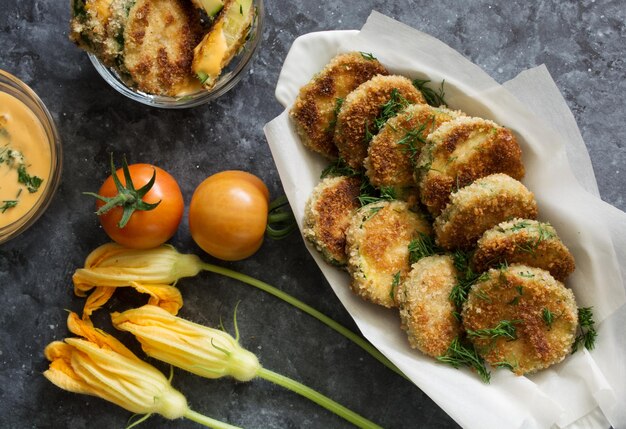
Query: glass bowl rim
point(42, 113)
point(243, 58)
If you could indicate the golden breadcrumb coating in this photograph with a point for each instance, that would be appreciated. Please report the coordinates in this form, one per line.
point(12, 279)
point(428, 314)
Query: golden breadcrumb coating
point(160, 36)
point(360, 109)
point(478, 207)
point(426, 312)
point(542, 312)
point(393, 152)
point(527, 242)
point(314, 112)
point(462, 151)
point(377, 243)
point(327, 215)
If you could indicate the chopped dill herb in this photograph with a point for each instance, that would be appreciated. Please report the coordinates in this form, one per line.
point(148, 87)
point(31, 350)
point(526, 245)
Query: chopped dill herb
point(368, 56)
point(520, 292)
point(422, 247)
point(527, 274)
point(339, 168)
point(504, 328)
point(413, 141)
point(548, 317)
point(32, 182)
point(459, 354)
point(369, 194)
point(394, 285)
point(388, 110)
point(586, 328)
point(466, 277)
point(240, 9)
point(434, 98)
point(7, 204)
point(338, 103)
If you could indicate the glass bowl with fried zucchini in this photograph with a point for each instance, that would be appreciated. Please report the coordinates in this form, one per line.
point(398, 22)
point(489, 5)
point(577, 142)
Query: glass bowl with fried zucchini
point(169, 53)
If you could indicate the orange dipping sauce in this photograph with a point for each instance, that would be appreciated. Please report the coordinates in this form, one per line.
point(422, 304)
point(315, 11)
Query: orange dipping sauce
point(24, 159)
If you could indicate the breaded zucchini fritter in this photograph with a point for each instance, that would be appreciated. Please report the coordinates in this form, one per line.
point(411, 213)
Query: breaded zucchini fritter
point(160, 36)
point(478, 207)
point(356, 120)
point(377, 244)
point(520, 317)
point(426, 312)
point(393, 152)
point(461, 151)
point(527, 242)
point(314, 112)
point(327, 215)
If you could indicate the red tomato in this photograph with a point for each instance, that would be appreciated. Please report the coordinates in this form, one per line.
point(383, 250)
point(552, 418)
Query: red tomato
point(146, 228)
point(228, 214)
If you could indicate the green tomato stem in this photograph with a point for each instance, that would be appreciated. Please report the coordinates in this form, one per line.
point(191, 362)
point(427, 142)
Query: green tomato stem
point(307, 309)
point(207, 421)
point(318, 398)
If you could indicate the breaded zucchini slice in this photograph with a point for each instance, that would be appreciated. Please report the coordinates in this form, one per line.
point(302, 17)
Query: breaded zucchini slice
point(223, 42)
point(521, 318)
point(315, 111)
point(524, 241)
point(426, 311)
point(327, 215)
point(478, 207)
point(393, 152)
point(364, 111)
point(159, 39)
point(377, 243)
point(97, 26)
point(461, 151)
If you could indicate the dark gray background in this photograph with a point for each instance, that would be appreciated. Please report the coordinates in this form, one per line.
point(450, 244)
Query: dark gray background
point(582, 44)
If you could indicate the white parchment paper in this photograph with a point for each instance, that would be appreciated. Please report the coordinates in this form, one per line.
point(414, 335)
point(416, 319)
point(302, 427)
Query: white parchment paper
point(587, 390)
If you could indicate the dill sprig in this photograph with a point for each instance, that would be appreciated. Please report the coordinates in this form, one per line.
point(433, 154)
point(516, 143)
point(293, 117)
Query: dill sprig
point(459, 354)
point(422, 247)
point(548, 317)
point(434, 98)
point(466, 277)
point(587, 333)
point(504, 328)
point(338, 103)
point(339, 168)
point(32, 182)
point(7, 204)
point(368, 56)
point(394, 285)
point(369, 194)
point(413, 141)
point(388, 110)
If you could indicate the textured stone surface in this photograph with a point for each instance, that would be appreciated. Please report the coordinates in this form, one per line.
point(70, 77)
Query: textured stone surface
point(580, 42)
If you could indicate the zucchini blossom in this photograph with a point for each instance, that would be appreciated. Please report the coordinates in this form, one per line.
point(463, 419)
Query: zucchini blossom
point(99, 365)
point(156, 271)
point(211, 353)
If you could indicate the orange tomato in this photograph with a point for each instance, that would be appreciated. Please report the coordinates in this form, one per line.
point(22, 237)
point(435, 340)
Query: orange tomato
point(146, 228)
point(228, 214)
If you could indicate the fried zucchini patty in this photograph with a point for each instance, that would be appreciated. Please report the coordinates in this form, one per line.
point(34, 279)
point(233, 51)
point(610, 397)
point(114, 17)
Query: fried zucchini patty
point(314, 112)
point(393, 152)
point(160, 36)
point(357, 117)
point(426, 312)
point(327, 215)
point(520, 317)
point(527, 242)
point(377, 243)
point(478, 207)
point(461, 151)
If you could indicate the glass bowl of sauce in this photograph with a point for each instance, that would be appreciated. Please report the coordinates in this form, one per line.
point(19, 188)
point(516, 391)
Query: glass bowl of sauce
point(30, 157)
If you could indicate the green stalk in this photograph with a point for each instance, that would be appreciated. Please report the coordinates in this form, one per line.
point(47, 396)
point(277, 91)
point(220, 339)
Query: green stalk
point(318, 398)
point(207, 421)
point(307, 309)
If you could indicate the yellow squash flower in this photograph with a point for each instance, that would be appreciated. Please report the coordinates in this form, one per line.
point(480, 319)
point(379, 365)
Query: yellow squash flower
point(99, 365)
point(156, 271)
point(198, 349)
point(151, 271)
point(211, 353)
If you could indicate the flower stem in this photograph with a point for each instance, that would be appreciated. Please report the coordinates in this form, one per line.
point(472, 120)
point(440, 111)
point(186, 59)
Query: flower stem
point(307, 309)
point(317, 397)
point(207, 421)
